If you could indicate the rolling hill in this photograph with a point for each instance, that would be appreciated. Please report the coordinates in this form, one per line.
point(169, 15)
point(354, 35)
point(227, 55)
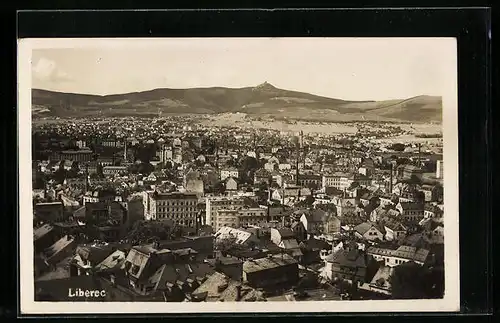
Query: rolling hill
point(262, 100)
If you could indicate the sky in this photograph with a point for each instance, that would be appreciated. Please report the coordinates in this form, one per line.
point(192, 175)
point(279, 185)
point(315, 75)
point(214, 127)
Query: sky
point(343, 68)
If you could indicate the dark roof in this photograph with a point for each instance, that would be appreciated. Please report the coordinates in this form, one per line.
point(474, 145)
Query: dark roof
point(432, 208)
point(94, 254)
point(174, 195)
point(412, 206)
point(58, 246)
point(430, 225)
point(316, 244)
point(350, 258)
point(42, 231)
point(394, 225)
point(412, 168)
point(268, 263)
point(113, 261)
point(369, 208)
point(405, 252)
point(171, 273)
point(285, 233)
point(362, 228)
point(316, 215)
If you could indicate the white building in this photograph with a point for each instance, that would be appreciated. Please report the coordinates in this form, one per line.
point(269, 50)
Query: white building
point(112, 170)
point(399, 256)
point(179, 207)
point(228, 172)
point(439, 169)
point(216, 203)
point(239, 218)
point(339, 181)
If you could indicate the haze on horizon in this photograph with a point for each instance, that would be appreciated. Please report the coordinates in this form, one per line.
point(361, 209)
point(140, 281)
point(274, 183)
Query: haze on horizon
point(343, 68)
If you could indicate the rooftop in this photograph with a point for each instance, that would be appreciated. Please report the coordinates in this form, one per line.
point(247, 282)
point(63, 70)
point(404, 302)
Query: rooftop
point(274, 261)
point(42, 231)
point(404, 252)
point(58, 246)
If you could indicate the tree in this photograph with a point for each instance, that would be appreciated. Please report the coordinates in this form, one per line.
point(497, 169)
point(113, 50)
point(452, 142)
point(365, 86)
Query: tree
point(407, 281)
point(220, 188)
point(330, 208)
point(227, 244)
point(262, 192)
point(398, 147)
point(402, 161)
point(249, 165)
point(309, 201)
point(147, 231)
point(99, 171)
point(312, 186)
point(145, 168)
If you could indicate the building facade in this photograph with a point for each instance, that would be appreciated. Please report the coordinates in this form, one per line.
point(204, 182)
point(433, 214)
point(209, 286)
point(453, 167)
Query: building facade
point(216, 203)
point(238, 218)
point(178, 207)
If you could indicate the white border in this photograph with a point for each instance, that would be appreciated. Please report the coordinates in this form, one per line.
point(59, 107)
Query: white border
point(449, 303)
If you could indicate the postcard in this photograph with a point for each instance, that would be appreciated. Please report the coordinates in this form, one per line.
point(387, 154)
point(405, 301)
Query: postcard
point(238, 175)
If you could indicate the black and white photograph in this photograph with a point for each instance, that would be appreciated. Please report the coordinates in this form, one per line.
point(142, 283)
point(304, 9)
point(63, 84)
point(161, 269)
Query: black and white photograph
point(191, 175)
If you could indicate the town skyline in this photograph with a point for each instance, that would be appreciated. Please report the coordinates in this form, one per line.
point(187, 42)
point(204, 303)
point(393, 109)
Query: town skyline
point(239, 63)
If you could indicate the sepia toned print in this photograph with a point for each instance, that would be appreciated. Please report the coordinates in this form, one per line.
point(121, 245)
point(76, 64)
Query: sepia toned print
point(223, 175)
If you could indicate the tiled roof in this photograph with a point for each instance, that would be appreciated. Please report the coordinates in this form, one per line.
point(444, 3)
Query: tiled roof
point(172, 273)
point(219, 287)
point(350, 258)
point(362, 228)
point(113, 261)
point(268, 263)
point(404, 252)
point(290, 244)
point(58, 246)
point(42, 231)
point(412, 206)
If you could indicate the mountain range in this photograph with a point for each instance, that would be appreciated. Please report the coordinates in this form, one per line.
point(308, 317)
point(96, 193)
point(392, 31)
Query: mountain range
point(263, 100)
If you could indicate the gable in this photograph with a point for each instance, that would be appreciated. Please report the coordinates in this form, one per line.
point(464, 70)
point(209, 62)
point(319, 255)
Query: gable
point(374, 230)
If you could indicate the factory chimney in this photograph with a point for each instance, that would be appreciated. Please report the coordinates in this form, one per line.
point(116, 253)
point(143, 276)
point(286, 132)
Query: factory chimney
point(390, 183)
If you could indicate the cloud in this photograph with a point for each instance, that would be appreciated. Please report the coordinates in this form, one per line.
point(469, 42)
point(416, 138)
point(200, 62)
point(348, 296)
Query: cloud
point(47, 70)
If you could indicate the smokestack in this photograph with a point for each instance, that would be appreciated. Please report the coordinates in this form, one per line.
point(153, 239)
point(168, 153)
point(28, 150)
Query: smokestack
point(301, 145)
point(86, 177)
point(390, 184)
point(238, 293)
point(297, 166)
point(419, 153)
point(196, 222)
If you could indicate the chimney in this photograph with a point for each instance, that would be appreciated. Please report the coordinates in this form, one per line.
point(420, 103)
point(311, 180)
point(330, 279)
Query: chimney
point(238, 293)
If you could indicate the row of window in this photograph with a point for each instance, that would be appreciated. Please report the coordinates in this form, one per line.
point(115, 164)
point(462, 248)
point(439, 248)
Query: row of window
point(177, 210)
point(174, 203)
point(176, 216)
point(413, 213)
